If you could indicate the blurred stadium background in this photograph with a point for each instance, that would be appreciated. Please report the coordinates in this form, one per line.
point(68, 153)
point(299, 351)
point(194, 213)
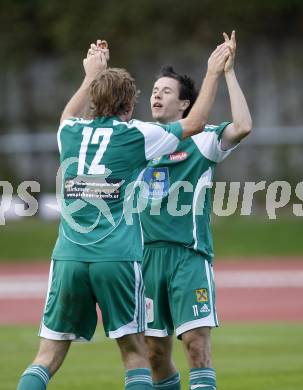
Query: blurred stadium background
point(42, 46)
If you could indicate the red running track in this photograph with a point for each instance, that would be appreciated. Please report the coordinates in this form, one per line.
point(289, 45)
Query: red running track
point(247, 291)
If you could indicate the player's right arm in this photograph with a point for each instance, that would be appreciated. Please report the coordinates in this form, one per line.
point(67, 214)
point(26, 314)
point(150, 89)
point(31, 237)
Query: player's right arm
point(241, 119)
point(198, 115)
point(95, 62)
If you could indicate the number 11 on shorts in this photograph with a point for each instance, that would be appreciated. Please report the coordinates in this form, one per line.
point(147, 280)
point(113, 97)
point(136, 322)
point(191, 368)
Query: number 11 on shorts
point(195, 309)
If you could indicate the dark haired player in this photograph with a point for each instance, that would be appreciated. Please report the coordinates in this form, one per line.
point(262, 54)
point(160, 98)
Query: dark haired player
point(177, 265)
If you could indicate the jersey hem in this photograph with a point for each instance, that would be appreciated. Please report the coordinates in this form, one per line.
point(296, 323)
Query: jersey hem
point(94, 260)
point(169, 244)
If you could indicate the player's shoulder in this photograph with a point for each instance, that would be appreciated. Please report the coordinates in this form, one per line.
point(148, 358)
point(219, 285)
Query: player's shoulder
point(218, 129)
point(210, 132)
point(208, 142)
point(145, 126)
point(73, 121)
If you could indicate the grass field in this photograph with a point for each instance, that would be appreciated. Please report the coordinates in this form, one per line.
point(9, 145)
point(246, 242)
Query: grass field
point(250, 357)
point(33, 239)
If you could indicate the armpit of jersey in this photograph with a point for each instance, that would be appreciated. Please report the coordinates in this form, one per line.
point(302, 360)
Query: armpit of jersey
point(158, 140)
point(209, 144)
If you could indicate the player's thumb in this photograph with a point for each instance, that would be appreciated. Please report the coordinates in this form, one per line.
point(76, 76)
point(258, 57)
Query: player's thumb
point(103, 58)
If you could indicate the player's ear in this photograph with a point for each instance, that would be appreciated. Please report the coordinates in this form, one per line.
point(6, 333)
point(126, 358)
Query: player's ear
point(185, 104)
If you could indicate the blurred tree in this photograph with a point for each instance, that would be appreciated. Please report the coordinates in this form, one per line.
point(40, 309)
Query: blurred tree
point(35, 27)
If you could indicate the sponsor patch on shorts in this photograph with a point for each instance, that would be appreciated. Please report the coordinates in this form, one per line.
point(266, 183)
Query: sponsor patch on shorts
point(202, 295)
point(149, 310)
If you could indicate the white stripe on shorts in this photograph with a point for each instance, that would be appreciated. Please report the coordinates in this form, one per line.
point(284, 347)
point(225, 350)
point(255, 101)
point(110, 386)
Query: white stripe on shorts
point(50, 334)
point(209, 320)
point(137, 325)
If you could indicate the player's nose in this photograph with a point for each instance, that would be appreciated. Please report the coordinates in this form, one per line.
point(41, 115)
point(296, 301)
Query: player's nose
point(158, 94)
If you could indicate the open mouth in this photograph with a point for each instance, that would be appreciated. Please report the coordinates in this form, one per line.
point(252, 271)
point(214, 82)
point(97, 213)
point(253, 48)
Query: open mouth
point(157, 105)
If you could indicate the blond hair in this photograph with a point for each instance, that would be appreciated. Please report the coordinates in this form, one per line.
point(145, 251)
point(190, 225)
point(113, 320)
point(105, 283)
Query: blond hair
point(113, 92)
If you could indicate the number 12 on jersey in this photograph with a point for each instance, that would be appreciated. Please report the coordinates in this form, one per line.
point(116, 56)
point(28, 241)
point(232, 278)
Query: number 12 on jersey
point(95, 168)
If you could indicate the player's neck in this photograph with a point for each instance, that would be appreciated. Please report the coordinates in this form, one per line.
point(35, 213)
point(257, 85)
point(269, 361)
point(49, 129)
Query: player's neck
point(164, 121)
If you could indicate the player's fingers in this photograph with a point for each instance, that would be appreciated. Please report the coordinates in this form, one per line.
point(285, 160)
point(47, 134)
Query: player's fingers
point(230, 50)
point(104, 44)
point(223, 55)
point(90, 47)
point(226, 55)
point(233, 37)
point(106, 52)
point(226, 38)
point(217, 50)
point(220, 49)
point(102, 57)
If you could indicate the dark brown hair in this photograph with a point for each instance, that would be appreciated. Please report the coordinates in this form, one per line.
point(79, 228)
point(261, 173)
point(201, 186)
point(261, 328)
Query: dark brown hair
point(187, 89)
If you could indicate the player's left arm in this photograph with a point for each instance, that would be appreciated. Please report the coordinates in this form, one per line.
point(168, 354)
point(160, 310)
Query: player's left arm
point(95, 62)
point(242, 123)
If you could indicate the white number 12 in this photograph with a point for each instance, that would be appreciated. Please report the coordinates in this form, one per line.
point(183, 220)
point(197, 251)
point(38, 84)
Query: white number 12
point(96, 168)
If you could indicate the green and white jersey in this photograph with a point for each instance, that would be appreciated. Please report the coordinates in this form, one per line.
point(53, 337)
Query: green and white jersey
point(101, 160)
point(178, 193)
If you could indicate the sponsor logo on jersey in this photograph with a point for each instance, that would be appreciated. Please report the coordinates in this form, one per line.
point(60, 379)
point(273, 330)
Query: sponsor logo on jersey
point(92, 188)
point(157, 180)
point(159, 176)
point(178, 156)
point(202, 295)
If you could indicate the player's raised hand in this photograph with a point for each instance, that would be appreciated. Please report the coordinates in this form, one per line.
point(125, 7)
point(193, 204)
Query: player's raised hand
point(103, 45)
point(95, 61)
point(100, 45)
point(217, 59)
point(231, 42)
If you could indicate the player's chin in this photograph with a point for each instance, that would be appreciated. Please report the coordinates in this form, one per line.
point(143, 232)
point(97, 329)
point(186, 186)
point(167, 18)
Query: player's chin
point(157, 114)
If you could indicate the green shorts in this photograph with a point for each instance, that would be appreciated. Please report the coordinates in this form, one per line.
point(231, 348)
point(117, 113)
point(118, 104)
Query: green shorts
point(76, 287)
point(179, 289)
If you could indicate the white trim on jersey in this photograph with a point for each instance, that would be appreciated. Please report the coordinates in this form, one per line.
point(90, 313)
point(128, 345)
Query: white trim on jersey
point(203, 182)
point(59, 139)
point(138, 182)
point(210, 146)
point(158, 141)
